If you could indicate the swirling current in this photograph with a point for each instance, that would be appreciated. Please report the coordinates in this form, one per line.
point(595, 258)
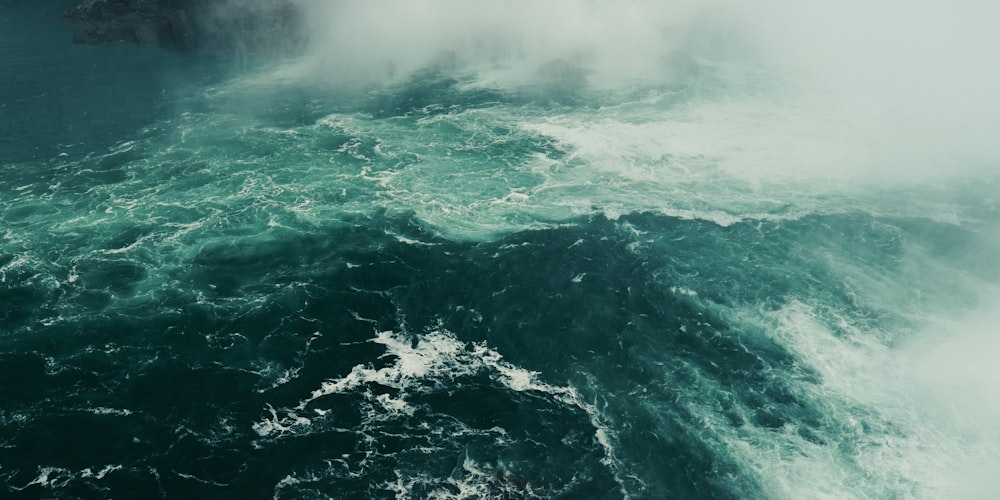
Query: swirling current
point(237, 280)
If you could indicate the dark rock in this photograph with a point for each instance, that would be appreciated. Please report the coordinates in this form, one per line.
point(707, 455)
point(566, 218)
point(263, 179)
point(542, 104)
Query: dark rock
point(146, 35)
point(120, 7)
point(184, 33)
point(90, 37)
point(104, 35)
point(135, 21)
point(219, 26)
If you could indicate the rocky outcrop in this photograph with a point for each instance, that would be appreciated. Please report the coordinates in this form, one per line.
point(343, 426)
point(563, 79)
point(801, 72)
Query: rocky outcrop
point(139, 21)
point(184, 33)
point(223, 26)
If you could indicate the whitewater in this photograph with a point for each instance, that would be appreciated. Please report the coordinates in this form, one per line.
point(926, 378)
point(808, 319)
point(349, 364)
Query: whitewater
point(583, 249)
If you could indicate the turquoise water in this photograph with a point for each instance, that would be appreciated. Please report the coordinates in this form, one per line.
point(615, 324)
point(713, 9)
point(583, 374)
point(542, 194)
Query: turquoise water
point(252, 279)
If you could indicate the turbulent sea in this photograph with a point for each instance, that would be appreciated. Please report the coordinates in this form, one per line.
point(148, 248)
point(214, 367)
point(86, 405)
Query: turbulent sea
point(244, 278)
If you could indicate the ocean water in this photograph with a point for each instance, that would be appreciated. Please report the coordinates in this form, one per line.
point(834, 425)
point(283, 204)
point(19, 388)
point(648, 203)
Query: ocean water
point(469, 276)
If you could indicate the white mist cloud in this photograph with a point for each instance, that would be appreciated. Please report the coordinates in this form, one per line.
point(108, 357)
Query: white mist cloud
point(912, 60)
point(891, 89)
point(934, 41)
point(955, 373)
point(895, 89)
point(369, 38)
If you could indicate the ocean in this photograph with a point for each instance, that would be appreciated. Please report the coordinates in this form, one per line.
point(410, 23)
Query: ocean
point(416, 263)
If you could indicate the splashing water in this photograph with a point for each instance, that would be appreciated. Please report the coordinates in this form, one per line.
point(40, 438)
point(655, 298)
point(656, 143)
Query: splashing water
point(506, 250)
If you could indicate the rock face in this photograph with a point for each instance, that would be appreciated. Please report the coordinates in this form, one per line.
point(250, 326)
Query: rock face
point(184, 32)
point(222, 26)
point(139, 21)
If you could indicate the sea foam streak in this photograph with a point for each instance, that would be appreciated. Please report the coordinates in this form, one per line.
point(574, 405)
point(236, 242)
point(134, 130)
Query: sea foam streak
point(434, 362)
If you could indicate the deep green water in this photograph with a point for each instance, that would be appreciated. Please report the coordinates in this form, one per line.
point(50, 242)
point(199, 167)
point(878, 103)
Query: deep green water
point(229, 279)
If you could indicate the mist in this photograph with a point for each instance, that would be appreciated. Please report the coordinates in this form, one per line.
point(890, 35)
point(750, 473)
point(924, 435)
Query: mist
point(514, 38)
point(904, 88)
point(905, 73)
point(927, 46)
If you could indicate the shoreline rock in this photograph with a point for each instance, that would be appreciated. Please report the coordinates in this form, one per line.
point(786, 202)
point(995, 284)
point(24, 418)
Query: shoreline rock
point(214, 26)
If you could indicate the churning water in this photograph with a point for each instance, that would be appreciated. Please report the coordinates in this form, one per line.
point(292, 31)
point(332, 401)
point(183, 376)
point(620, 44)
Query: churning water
point(496, 250)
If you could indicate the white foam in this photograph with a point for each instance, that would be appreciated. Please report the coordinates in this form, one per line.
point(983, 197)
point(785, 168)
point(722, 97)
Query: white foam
point(432, 362)
point(913, 421)
point(59, 477)
point(120, 412)
point(410, 241)
point(276, 426)
point(435, 356)
point(50, 477)
point(101, 473)
point(683, 291)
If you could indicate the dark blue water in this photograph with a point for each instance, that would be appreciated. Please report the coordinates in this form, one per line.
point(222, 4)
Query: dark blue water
point(227, 279)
